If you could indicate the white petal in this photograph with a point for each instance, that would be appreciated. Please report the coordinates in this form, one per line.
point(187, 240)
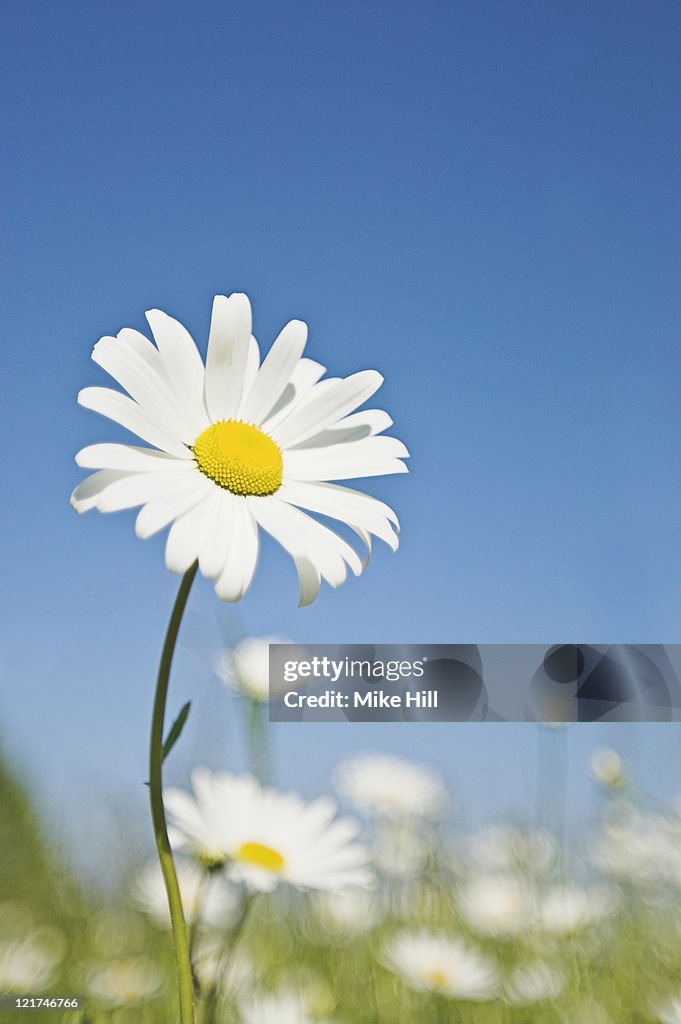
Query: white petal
point(85, 495)
point(309, 580)
point(148, 388)
point(187, 535)
point(130, 457)
point(352, 428)
point(128, 414)
point(188, 491)
point(236, 576)
point(215, 547)
point(301, 536)
point(365, 537)
point(250, 373)
point(300, 385)
point(342, 462)
point(327, 408)
point(360, 511)
point(138, 488)
point(228, 344)
point(290, 535)
point(276, 371)
point(139, 343)
point(181, 362)
point(327, 545)
point(366, 448)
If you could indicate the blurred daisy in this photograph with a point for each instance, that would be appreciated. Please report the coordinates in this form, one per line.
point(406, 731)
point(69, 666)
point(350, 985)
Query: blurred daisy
point(670, 1012)
point(122, 982)
point(389, 786)
point(437, 963)
point(347, 911)
point(607, 767)
point(28, 964)
point(216, 902)
point(566, 909)
point(265, 837)
point(642, 848)
point(231, 976)
point(533, 983)
point(496, 905)
point(505, 848)
point(398, 850)
point(280, 1009)
point(246, 668)
point(236, 446)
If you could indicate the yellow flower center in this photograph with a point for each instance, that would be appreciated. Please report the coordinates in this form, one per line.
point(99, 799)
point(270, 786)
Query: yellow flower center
point(260, 856)
point(437, 979)
point(239, 457)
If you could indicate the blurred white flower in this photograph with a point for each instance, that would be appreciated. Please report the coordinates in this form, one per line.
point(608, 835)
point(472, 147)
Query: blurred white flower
point(28, 964)
point(496, 905)
point(505, 848)
point(670, 1011)
point(217, 902)
point(347, 911)
point(607, 767)
point(121, 982)
point(398, 850)
point(532, 983)
point(246, 668)
point(638, 847)
point(265, 837)
point(389, 786)
point(286, 1008)
point(437, 963)
point(569, 908)
point(232, 975)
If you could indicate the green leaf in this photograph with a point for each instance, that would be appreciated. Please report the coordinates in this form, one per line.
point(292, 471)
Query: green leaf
point(175, 730)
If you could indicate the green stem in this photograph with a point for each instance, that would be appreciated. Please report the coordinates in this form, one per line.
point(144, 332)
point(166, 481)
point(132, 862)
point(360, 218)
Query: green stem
point(165, 856)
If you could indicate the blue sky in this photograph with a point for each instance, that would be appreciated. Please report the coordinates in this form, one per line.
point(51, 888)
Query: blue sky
point(477, 198)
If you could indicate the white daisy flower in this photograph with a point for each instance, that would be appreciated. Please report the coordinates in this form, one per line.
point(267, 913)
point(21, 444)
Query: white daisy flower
point(506, 848)
point(569, 908)
point(246, 668)
point(122, 982)
point(347, 911)
point(670, 1012)
point(28, 964)
point(264, 836)
point(238, 445)
point(496, 905)
point(286, 1008)
point(533, 983)
point(231, 975)
point(389, 786)
point(436, 963)
point(216, 901)
point(607, 767)
point(398, 850)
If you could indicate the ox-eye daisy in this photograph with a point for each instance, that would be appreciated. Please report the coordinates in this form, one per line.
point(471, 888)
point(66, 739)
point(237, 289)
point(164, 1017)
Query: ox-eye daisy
point(388, 786)
point(238, 445)
point(263, 836)
point(436, 963)
point(213, 901)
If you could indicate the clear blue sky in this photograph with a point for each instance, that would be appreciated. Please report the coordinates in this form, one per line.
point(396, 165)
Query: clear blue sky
point(477, 198)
